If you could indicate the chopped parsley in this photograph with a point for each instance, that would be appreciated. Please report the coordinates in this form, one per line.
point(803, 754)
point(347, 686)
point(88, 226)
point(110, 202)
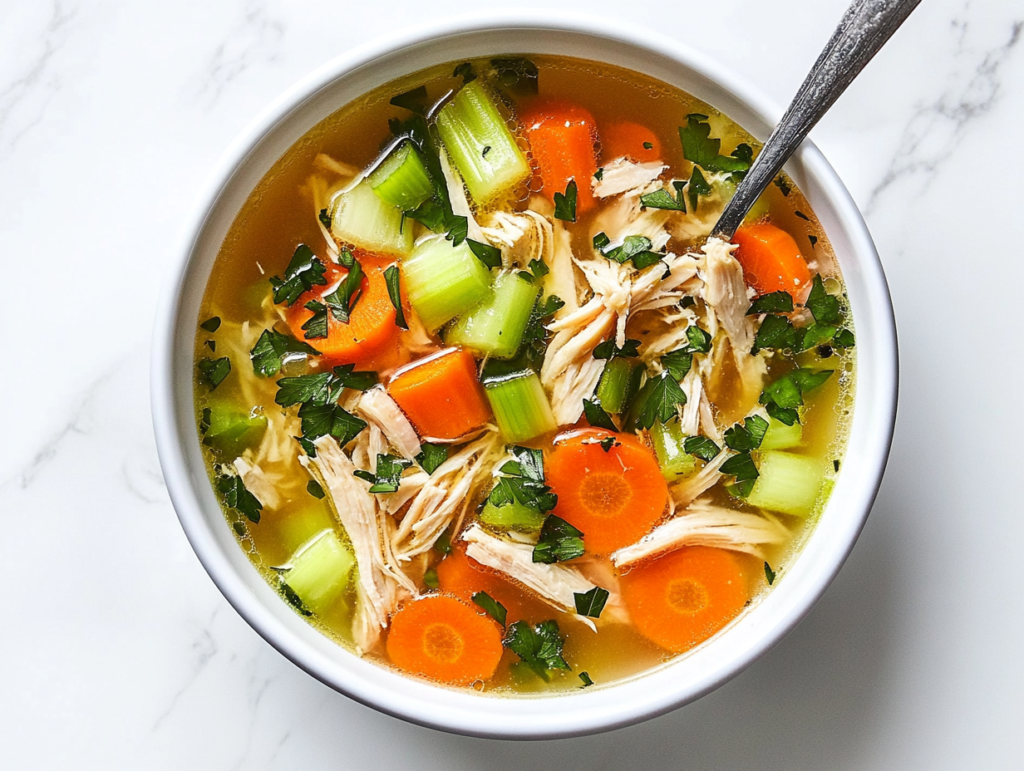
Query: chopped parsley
point(783, 185)
point(538, 268)
point(523, 482)
point(432, 456)
point(599, 174)
point(587, 682)
point(607, 443)
point(211, 325)
point(608, 350)
point(329, 420)
point(325, 218)
point(303, 273)
point(273, 348)
point(823, 306)
point(313, 488)
point(493, 608)
point(769, 574)
point(565, 204)
point(430, 578)
point(391, 278)
point(601, 240)
point(661, 401)
point(782, 396)
point(701, 447)
point(648, 146)
point(465, 71)
point(703, 150)
point(294, 600)
point(813, 240)
point(802, 216)
point(591, 603)
point(597, 416)
point(487, 254)
point(777, 332)
point(698, 186)
point(323, 387)
point(746, 436)
point(700, 341)
point(773, 302)
point(213, 371)
point(742, 467)
point(559, 541)
point(661, 199)
point(835, 465)
point(388, 474)
point(237, 497)
point(539, 647)
point(634, 248)
point(678, 362)
point(458, 229)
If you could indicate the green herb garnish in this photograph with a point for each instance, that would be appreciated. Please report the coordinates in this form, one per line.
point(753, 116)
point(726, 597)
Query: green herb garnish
point(559, 541)
point(304, 271)
point(773, 302)
point(607, 443)
point(769, 574)
point(487, 254)
point(237, 497)
point(493, 608)
point(661, 401)
point(414, 100)
point(565, 204)
point(313, 488)
point(698, 186)
point(432, 456)
point(746, 436)
point(391, 278)
point(273, 348)
point(430, 578)
point(329, 420)
point(539, 647)
point(388, 473)
point(323, 387)
point(609, 350)
point(465, 71)
point(213, 371)
point(596, 415)
point(523, 482)
point(587, 682)
point(784, 395)
point(661, 199)
point(701, 447)
point(211, 325)
point(591, 603)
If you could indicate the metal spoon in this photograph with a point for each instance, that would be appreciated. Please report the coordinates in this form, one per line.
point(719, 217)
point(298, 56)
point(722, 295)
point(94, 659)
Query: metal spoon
point(864, 29)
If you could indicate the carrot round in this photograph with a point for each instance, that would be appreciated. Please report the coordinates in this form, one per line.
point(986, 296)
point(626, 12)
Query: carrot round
point(445, 639)
point(463, 577)
point(371, 326)
point(771, 260)
point(630, 140)
point(563, 138)
point(614, 497)
point(681, 599)
point(441, 395)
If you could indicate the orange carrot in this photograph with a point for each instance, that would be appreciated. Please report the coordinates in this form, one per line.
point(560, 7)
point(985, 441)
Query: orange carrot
point(771, 260)
point(614, 497)
point(681, 599)
point(630, 140)
point(371, 326)
point(562, 140)
point(445, 639)
point(441, 395)
point(462, 576)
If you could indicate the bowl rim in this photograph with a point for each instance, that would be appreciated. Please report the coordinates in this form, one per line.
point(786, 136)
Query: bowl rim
point(418, 702)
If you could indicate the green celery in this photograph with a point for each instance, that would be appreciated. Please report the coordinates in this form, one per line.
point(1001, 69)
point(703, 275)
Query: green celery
point(674, 461)
point(320, 571)
point(361, 218)
point(401, 179)
point(787, 483)
point(232, 431)
point(779, 436)
point(520, 407)
point(514, 516)
point(442, 281)
point(469, 124)
point(618, 385)
point(495, 327)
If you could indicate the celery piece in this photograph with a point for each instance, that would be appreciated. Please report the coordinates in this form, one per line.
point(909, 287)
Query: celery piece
point(787, 483)
point(442, 281)
point(480, 144)
point(496, 325)
point(320, 571)
point(401, 179)
point(674, 461)
point(361, 218)
point(299, 525)
point(230, 430)
point(520, 407)
point(618, 385)
point(779, 436)
point(514, 516)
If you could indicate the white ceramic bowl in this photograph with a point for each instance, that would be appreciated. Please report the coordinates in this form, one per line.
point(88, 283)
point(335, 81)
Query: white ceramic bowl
point(594, 709)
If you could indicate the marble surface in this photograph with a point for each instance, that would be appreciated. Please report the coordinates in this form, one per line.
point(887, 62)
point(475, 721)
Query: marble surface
point(116, 650)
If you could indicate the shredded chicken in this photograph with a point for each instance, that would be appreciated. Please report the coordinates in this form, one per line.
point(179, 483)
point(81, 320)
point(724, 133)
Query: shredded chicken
point(687, 490)
point(457, 195)
point(380, 585)
point(555, 584)
point(257, 483)
point(705, 524)
point(623, 175)
point(380, 409)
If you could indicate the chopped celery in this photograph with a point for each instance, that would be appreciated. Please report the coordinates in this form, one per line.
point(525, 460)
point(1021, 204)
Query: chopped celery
point(787, 483)
point(480, 144)
point(618, 385)
point(514, 516)
point(673, 460)
point(300, 525)
point(520, 407)
point(320, 571)
point(443, 281)
point(361, 218)
point(779, 436)
point(230, 430)
point(496, 325)
point(401, 179)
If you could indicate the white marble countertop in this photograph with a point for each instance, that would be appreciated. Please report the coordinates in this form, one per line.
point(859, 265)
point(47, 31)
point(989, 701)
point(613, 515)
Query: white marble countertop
point(116, 650)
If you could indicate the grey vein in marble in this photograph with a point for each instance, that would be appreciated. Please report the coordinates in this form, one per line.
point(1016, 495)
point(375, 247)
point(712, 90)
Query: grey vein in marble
point(258, 38)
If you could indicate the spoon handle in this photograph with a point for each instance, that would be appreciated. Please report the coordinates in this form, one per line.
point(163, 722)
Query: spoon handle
point(864, 29)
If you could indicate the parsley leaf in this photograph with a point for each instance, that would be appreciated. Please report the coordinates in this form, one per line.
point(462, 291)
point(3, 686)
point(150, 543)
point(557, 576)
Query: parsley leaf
point(565, 204)
point(608, 350)
point(661, 401)
point(661, 199)
point(559, 541)
point(315, 327)
point(700, 341)
point(432, 456)
point(465, 71)
point(596, 415)
point(213, 371)
point(539, 647)
point(740, 466)
point(591, 603)
point(782, 185)
point(678, 362)
point(532, 346)
point(823, 306)
point(769, 574)
point(325, 218)
point(784, 395)
point(458, 228)
point(487, 254)
point(391, 278)
point(517, 75)
point(634, 248)
point(601, 240)
point(701, 149)
point(773, 302)
point(237, 497)
point(414, 100)
point(746, 436)
point(387, 475)
point(329, 420)
point(273, 348)
point(342, 301)
point(430, 578)
point(294, 600)
point(211, 325)
point(524, 482)
point(609, 441)
point(313, 488)
point(494, 608)
point(701, 447)
point(698, 186)
point(599, 174)
point(843, 339)
point(775, 332)
point(322, 387)
point(586, 680)
point(303, 273)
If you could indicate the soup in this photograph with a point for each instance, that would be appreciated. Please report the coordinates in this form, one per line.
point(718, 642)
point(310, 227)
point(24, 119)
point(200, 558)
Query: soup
point(484, 402)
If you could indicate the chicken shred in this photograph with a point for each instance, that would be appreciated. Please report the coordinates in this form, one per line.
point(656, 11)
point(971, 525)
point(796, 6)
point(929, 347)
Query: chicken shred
point(623, 175)
point(380, 409)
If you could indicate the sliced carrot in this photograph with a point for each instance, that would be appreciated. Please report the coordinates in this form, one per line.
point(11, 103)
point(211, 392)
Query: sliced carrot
point(681, 599)
point(441, 395)
point(445, 639)
point(630, 140)
point(563, 138)
point(771, 260)
point(614, 497)
point(462, 576)
point(371, 326)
